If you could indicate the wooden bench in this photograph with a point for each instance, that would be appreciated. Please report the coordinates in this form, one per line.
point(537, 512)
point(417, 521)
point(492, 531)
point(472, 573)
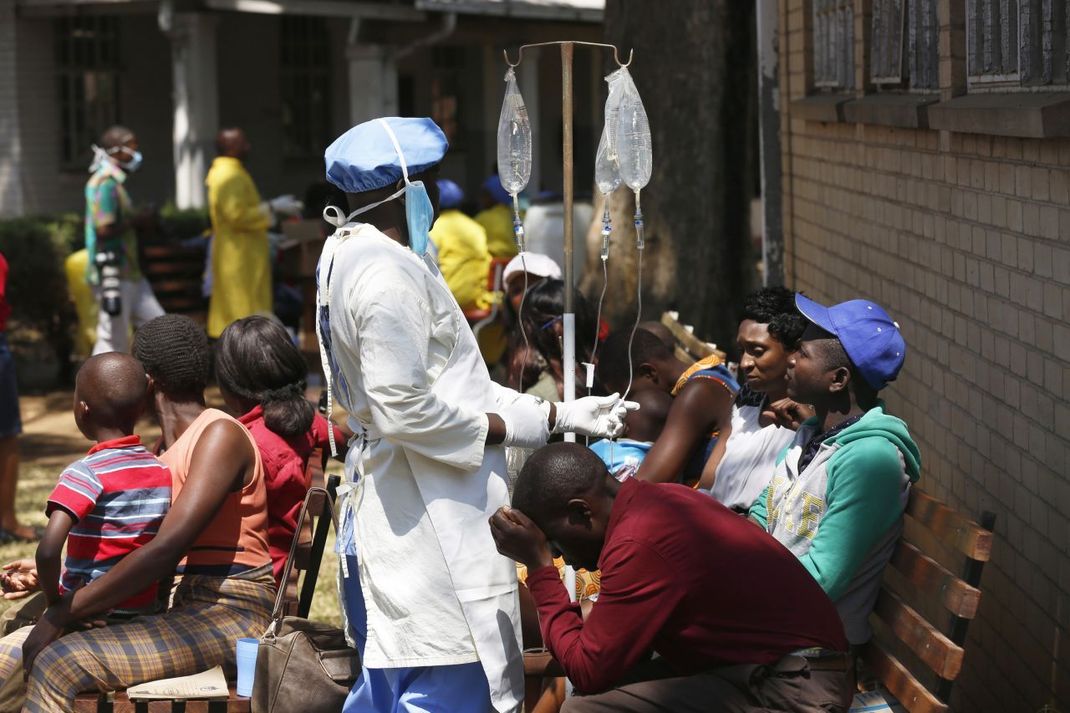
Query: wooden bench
point(689, 348)
point(921, 614)
point(924, 608)
point(176, 273)
point(307, 559)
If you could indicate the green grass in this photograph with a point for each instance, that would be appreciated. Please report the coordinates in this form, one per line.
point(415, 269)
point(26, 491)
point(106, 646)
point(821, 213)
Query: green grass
point(36, 483)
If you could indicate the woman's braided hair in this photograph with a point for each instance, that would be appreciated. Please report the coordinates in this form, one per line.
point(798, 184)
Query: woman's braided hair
point(174, 351)
point(257, 361)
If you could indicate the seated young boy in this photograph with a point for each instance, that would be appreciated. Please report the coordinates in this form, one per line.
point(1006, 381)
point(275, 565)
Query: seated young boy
point(105, 505)
point(703, 394)
point(838, 491)
point(641, 428)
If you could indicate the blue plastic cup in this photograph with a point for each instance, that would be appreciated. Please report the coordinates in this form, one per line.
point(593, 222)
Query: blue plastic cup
point(246, 665)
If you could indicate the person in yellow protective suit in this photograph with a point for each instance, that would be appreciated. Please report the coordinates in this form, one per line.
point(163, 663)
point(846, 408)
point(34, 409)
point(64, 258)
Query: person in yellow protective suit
point(461, 243)
point(497, 218)
point(241, 269)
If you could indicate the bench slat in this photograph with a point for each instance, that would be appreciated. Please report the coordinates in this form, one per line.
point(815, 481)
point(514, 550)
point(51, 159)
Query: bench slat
point(932, 578)
point(696, 348)
point(951, 528)
point(936, 650)
point(119, 703)
point(915, 697)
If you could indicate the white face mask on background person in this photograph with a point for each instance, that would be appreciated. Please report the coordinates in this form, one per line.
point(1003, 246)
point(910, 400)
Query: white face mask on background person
point(100, 155)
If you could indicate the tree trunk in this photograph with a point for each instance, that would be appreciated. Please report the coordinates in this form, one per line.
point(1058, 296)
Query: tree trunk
point(694, 67)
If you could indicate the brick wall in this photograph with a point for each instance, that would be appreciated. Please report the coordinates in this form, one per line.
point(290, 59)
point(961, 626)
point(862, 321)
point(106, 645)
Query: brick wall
point(965, 239)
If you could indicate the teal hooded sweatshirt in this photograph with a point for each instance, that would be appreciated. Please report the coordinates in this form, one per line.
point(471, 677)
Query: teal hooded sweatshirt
point(843, 514)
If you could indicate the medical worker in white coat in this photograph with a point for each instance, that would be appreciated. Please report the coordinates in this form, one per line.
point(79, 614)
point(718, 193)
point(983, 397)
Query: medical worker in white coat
point(428, 600)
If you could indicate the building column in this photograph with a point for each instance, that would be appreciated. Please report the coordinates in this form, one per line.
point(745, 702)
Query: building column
point(769, 143)
point(196, 102)
point(11, 195)
point(373, 82)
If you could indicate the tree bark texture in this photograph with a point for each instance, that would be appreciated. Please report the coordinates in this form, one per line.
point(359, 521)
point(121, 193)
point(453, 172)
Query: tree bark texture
point(695, 68)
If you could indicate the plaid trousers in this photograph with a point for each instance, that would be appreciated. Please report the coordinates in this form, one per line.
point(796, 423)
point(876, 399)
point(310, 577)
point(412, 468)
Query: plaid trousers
point(207, 617)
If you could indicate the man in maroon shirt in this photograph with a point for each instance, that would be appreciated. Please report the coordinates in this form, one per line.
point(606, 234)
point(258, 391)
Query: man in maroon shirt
point(737, 623)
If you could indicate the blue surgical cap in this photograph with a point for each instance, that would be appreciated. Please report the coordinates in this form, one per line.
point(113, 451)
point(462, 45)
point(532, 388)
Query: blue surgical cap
point(498, 194)
point(450, 194)
point(363, 158)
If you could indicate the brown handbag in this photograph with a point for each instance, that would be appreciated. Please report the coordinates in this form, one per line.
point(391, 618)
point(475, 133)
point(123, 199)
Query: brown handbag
point(302, 665)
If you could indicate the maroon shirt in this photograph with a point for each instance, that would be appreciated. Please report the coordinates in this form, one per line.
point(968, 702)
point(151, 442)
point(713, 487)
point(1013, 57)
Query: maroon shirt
point(5, 308)
point(686, 577)
point(285, 461)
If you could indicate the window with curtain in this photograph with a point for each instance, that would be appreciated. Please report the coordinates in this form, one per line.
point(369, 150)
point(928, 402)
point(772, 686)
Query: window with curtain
point(87, 79)
point(833, 35)
point(905, 44)
point(304, 75)
point(1017, 43)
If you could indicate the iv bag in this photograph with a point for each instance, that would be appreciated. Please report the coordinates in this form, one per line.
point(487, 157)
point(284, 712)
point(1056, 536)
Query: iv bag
point(633, 136)
point(606, 163)
point(514, 139)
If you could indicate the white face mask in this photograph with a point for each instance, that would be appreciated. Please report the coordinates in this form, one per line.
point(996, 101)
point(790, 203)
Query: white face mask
point(100, 155)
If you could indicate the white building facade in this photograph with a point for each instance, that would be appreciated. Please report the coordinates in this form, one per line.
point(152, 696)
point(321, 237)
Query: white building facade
point(292, 73)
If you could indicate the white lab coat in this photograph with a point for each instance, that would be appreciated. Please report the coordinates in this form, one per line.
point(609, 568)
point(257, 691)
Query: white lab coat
point(409, 372)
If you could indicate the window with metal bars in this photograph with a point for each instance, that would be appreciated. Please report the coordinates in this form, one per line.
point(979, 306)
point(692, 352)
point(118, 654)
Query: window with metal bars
point(87, 79)
point(305, 76)
point(1017, 43)
point(833, 36)
point(904, 49)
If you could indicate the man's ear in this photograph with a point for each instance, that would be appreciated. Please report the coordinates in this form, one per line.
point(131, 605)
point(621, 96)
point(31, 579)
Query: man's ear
point(83, 410)
point(839, 380)
point(579, 513)
point(648, 371)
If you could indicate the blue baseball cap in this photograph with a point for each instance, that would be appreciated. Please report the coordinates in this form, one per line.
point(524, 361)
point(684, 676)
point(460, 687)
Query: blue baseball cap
point(450, 194)
point(363, 158)
point(869, 336)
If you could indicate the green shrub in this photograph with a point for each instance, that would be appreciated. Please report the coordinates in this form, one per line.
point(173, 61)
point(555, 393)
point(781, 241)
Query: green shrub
point(181, 223)
point(35, 249)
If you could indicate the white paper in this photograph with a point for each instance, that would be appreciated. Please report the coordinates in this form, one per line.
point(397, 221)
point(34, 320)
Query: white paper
point(207, 684)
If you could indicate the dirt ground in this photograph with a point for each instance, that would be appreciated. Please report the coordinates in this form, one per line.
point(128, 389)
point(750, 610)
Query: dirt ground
point(50, 441)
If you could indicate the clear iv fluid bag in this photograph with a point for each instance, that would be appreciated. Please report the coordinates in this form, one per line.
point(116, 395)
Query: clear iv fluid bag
point(514, 139)
point(633, 137)
point(606, 164)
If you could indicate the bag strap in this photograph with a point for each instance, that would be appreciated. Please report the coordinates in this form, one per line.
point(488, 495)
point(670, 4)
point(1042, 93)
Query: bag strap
point(280, 596)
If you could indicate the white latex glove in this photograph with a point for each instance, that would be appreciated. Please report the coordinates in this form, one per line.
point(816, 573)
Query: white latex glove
point(527, 423)
point(286, 205)
point(598, 416)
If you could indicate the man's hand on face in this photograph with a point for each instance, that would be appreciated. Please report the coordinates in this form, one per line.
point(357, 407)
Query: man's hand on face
point(787, 413)
point(518, 538)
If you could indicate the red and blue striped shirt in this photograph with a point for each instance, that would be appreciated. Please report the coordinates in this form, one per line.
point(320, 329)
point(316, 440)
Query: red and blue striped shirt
point(118, 495)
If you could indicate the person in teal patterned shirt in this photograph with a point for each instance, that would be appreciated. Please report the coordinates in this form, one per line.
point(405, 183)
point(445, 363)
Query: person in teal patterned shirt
point(111, 240)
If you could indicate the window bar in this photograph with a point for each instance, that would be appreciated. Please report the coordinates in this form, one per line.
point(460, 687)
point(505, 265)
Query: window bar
point(1047, 40)
point(1009, 36)
point(849, 45)
point(988, 33)
point(879, 35)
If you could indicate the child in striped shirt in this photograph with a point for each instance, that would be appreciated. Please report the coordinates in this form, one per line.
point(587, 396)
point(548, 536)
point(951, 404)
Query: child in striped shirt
point(113, 500)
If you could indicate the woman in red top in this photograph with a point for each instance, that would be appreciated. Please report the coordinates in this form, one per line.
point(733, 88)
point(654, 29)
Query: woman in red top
point(262, 375)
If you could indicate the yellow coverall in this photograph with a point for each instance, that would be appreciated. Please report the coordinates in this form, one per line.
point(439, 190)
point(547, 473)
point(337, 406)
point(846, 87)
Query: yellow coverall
point(241, 270)
point(463, 258)
point(498, 222)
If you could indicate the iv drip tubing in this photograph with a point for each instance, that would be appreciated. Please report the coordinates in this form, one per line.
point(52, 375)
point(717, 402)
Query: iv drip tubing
point(639, 244)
